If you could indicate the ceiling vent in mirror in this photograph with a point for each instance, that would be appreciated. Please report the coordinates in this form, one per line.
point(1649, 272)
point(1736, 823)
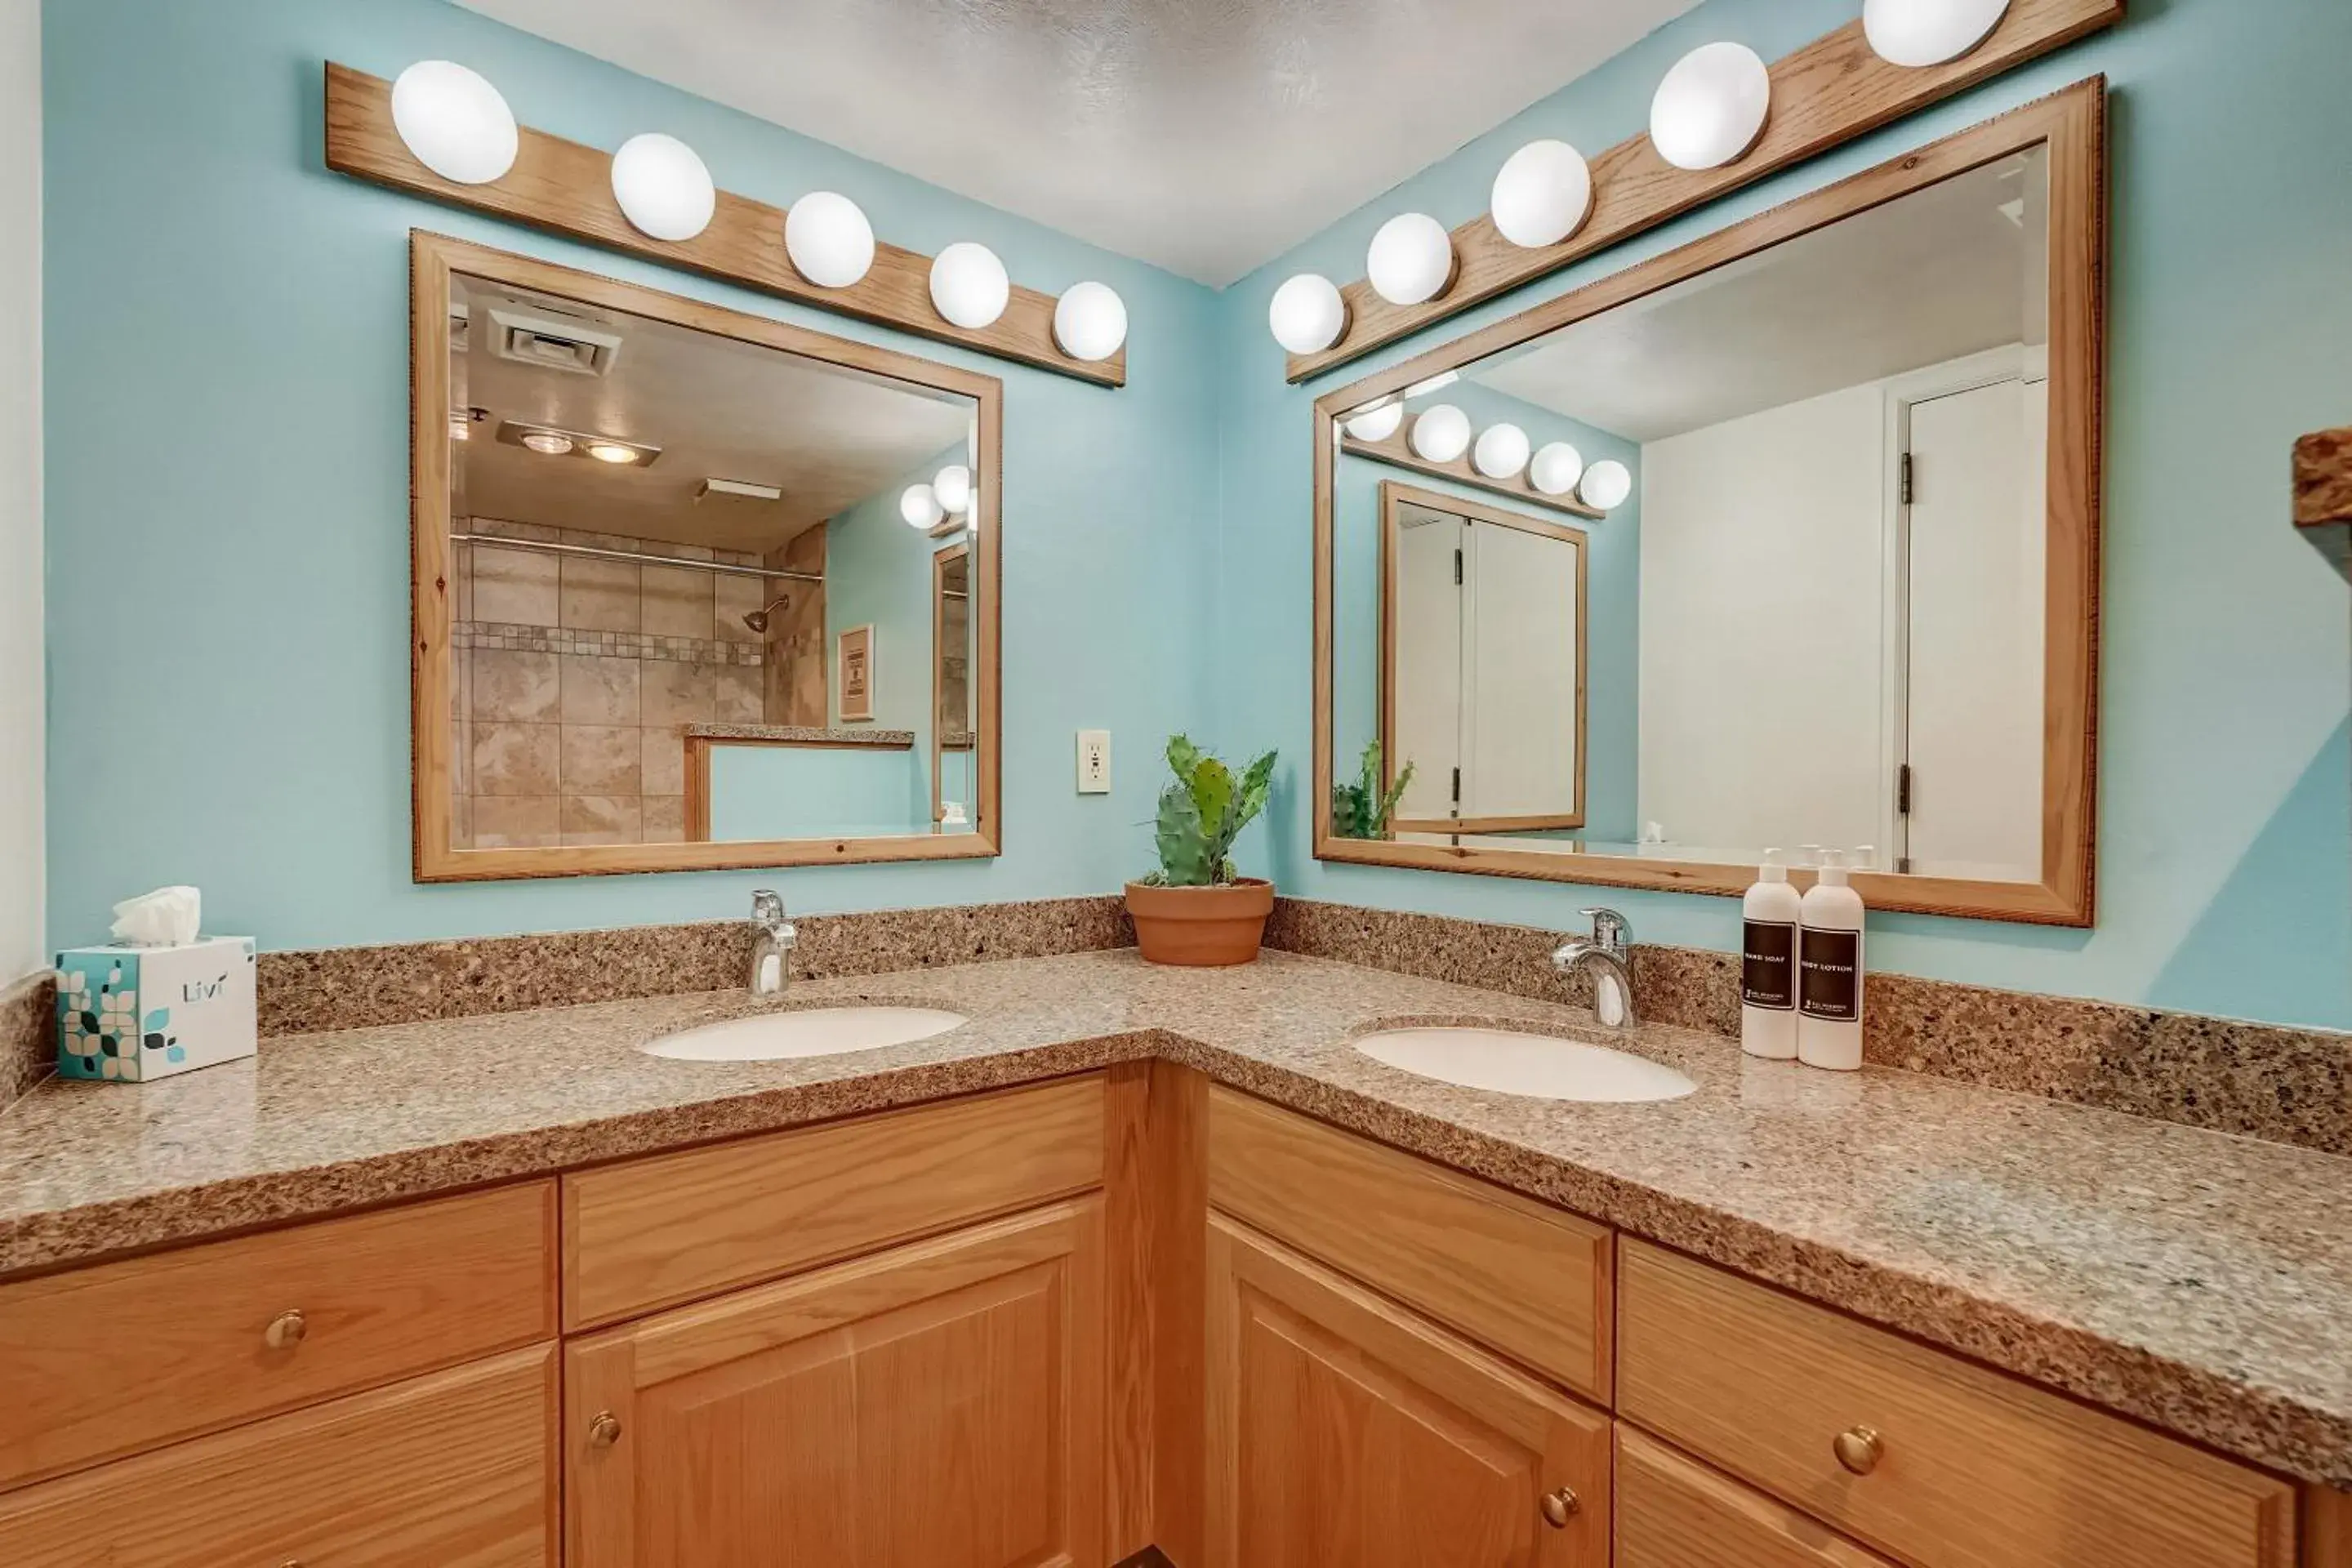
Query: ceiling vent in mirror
point(556, 345)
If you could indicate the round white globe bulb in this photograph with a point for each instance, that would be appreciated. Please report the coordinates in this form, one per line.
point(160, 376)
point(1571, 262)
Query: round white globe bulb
point(1411, 259)
point(951, 488)
point(1501, 451)
point(1379, 424)
point(1090, 321)
point(1711, 107)
point(1606, 485)
point(1929, 32)
point(829, 240)
point(1307, 314)
point(920, 507)
point(457, 123)
point(968, 285)
point(1542, 195)
point(1440, 433)
point(1556, 467)
point(663, 186)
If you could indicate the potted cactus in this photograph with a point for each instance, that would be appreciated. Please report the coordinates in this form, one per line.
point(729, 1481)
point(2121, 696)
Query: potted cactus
point(1194, 909)
point(1362, 809)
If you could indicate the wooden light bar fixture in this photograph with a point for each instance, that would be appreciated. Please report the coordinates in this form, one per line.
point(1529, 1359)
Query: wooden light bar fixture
point(1397, 452)
point(566, 188)
point(1831, 91)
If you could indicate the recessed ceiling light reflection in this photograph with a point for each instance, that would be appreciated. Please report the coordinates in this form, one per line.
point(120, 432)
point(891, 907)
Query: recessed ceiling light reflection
point(611, 452)
point(547, 443)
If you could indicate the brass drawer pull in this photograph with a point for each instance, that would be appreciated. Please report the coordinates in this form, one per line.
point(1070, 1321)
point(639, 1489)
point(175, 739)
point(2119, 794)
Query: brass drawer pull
point(284, 1331)
point(1859, 1450)
point(604, 1429)
point(1560, 1506)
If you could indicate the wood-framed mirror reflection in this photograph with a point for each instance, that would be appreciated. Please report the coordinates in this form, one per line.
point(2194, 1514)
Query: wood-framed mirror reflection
point(1837, 468)
point(1482, 666)
point(642, 527)
point(952, 731)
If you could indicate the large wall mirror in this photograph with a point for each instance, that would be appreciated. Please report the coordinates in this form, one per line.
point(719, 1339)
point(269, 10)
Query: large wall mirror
point(694, 588)
point(1787, 539)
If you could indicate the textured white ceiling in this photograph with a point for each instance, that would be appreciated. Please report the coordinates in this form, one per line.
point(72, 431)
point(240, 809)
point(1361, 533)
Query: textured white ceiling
point(1949, 270)
point(1207, 136)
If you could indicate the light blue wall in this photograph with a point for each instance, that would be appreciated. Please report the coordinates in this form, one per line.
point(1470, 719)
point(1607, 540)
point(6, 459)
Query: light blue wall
point(227, 408)
point(227, 521)
point(1612, 595)
point(804, 792)
point(2225, 773)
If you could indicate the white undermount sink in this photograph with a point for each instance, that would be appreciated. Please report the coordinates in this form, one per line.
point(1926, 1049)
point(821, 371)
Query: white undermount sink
point(811, 1032)
point(1542, 1066)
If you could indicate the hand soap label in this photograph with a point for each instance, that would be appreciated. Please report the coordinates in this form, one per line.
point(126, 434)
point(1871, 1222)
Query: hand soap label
point(1830, 981)
point(1768, 965)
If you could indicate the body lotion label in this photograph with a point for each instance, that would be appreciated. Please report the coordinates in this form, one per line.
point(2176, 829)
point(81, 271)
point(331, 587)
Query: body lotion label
point(1768, 965)
point(1830, 983)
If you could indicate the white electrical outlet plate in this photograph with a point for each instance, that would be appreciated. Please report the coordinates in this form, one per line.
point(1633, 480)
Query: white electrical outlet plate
point(1094, 762)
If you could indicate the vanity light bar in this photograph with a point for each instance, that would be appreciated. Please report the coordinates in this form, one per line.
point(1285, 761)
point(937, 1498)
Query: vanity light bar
point(1721, 120)
point(444, 133)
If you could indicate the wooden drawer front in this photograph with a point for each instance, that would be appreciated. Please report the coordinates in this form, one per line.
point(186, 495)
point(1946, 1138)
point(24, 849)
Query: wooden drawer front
point(656, 1233)
point(937, 1404)
point(455, 1469)
point(1976, 1470)
point(1675, 1513)
point(1528, 1281)
point(109, 1361)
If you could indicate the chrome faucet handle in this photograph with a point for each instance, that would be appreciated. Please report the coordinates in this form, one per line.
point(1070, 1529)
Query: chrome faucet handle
point(767, 906)
point(1610, 930)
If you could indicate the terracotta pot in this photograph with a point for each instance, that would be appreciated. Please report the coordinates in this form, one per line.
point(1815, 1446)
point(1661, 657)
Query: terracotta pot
point(1201, 927)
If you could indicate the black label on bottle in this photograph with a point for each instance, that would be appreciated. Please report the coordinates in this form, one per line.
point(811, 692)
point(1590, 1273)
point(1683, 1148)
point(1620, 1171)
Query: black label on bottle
point(1768, 965)
point(1830, 981)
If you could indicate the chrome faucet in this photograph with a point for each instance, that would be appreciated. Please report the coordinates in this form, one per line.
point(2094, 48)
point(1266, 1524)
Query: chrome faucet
point(772, 940)
point(1610, 956)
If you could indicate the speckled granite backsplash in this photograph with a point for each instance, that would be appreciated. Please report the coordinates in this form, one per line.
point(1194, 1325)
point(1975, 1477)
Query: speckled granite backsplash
point(2262, 1081)
point(2285, 1085)
point(359, 987)
point(28, 1033)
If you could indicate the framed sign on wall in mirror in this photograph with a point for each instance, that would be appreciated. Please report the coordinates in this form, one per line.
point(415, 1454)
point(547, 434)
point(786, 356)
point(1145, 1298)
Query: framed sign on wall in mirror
point(1833, 477)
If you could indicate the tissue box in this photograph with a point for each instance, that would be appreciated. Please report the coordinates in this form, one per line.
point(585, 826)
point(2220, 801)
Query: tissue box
point(134, 1014)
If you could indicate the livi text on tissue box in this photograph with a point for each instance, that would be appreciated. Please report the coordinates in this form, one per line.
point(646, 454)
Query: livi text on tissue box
point(134, 1014)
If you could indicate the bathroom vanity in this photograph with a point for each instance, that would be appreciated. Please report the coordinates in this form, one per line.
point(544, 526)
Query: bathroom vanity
point(1142, 1260)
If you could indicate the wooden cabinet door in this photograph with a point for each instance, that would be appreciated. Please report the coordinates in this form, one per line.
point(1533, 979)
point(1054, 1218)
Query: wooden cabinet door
point(1345, 1432)
point(940, 1404)
point(454, 1469)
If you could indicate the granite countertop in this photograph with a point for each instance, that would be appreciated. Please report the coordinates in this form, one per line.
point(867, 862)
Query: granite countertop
point(2200, 1281)
point(802, 735)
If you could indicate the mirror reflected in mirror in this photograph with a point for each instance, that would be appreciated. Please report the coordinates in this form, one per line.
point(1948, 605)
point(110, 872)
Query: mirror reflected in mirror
point(1760, 553)
point(703, 590)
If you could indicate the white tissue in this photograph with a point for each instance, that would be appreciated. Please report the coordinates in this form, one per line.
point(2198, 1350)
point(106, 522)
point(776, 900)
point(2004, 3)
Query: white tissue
point(167, 917)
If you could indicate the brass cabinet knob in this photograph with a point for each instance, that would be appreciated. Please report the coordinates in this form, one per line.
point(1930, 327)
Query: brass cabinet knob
point(1560, 1506)
point(603, 1429)
point(1859, 1450)
point(284, 1331)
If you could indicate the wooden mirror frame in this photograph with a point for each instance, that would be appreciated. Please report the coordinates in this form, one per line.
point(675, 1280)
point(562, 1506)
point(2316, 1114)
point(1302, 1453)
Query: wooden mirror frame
point(960, 551)
point(1394, 494)
point(433, 259)
point(2072, 125)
